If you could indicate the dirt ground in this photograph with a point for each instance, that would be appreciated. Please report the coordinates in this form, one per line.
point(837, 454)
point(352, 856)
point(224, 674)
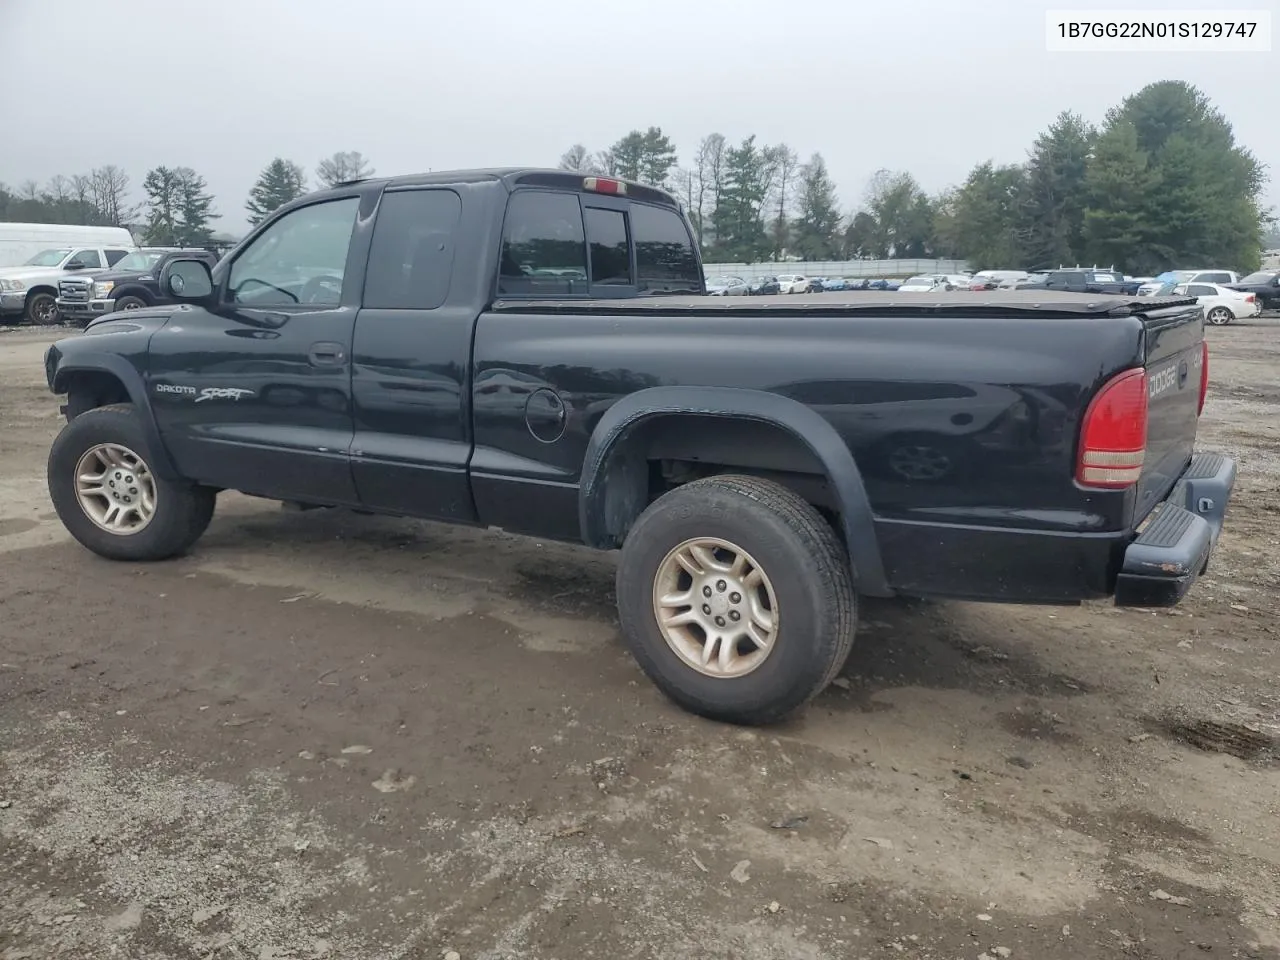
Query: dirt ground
point(326, 735)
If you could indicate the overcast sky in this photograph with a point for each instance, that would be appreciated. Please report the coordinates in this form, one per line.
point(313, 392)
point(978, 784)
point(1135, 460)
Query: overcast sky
point(929, 86)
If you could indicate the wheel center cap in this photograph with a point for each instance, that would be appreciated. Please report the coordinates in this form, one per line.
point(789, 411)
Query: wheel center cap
point(720, 603)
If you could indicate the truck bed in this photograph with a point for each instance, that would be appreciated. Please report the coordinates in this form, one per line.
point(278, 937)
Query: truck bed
point(959, 302)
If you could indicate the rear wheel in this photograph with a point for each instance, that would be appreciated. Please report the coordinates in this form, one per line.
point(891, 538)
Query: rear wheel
point(736, 598)
point(1220, 316)
point(108, 497)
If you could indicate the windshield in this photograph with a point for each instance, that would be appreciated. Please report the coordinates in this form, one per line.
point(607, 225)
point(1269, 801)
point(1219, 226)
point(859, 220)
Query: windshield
point(139, 261)
point(1262, 276)
point(48, 258)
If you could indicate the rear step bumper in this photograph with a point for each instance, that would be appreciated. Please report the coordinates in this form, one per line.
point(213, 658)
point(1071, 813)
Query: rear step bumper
point(1173, 550)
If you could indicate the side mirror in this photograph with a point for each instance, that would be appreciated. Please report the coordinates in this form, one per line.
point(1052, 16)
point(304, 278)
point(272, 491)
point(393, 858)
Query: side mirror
point(187, 279)
point(74, 265)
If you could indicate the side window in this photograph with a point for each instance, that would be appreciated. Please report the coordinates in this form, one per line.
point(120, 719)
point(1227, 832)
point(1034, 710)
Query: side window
point(411, 258)
point(115, 256)
point(299, 259)
point(90, 258)
point(1201, 290)
point(610, 252)
point(665, 259)
point(544, 246)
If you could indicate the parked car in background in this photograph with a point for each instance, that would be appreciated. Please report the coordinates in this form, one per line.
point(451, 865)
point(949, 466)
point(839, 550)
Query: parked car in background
point(857, 283)
point(887, 284)
point(977, 282)
point(833, 283)
point(925, 285)
point(1151, 285)
point(30, 291)
point(130, 284)
point(1221, 304)
point(727, 287)
point(764, 287)
point(793, 283)
point(1265, 285)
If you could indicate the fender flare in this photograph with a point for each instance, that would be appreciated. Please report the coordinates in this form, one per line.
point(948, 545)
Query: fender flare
point(120, 368)
point(131, 289)
point(795, 418)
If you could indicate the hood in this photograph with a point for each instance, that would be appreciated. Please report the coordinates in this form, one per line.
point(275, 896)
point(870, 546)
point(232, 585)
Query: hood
point(37, 273)
point(143, 318)
point(115, 276)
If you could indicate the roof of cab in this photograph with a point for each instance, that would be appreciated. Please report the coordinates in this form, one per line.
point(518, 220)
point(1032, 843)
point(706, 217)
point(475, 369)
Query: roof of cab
point(512, 177)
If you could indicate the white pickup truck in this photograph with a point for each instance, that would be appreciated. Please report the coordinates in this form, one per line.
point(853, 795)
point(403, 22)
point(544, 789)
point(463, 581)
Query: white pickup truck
point(30, 291)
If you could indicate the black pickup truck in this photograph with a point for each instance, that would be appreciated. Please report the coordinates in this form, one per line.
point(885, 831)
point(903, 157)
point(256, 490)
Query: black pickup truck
point(1081, 280)
point(1264, 284)
point(533, 350)
point(132, 283)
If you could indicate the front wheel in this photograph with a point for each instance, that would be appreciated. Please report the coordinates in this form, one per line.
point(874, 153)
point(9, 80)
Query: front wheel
point(108, 497)
point(1220, 316)
point(42, 309)
point(130, 303)
point(736, 598)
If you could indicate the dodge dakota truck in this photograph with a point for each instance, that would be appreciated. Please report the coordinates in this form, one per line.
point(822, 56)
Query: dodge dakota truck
point(534, 351)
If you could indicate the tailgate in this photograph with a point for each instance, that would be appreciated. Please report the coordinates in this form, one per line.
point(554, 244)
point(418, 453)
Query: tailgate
point(1174, 345)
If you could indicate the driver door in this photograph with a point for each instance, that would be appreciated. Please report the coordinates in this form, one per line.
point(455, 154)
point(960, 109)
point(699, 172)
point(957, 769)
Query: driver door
point(254, 393)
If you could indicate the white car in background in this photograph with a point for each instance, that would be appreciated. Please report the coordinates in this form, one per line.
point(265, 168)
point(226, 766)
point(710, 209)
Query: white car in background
point(1150, 287)
point(727, 287)
point(926, 285)
point(792, 283)
point(1221, 304)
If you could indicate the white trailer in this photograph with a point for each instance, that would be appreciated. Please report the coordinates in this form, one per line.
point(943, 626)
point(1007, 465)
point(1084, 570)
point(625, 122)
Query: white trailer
point(19, 242)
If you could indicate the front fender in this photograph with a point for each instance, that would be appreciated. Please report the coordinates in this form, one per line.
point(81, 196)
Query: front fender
point(65, 359)
point(800, 421)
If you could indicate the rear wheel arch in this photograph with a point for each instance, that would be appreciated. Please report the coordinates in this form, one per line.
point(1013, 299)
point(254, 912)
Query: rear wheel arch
point(616, 480)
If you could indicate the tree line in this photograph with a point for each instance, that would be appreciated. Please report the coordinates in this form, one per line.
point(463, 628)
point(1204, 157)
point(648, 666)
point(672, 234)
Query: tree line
point(177, 208)
point(1161, 183)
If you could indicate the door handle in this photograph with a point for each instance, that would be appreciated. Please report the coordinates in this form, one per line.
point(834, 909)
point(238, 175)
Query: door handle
point(326, 354)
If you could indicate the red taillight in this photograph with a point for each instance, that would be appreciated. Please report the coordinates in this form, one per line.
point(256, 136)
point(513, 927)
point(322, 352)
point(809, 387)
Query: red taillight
point(1250, 298)
point(1204, 375)
point(1113, 438)
point(604, 185)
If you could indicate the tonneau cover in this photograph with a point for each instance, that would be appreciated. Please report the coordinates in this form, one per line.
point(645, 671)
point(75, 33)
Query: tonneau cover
point(959, 302)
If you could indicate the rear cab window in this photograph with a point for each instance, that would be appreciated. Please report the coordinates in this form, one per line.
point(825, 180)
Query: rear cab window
point(566, 244)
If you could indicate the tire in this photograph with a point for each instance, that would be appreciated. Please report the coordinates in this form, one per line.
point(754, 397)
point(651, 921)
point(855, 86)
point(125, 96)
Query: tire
point(806, 572)
point(1220, 316)
point(130, 303)
point(181, 511)
point(42, 309)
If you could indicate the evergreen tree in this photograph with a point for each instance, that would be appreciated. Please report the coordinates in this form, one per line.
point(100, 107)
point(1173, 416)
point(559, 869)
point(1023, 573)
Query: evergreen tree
point(1054, 194)
point(281, 182)
point(818, 224)
point(195, 208)
point(647, 157)
point(163, 199)
point(1119, 185)
point(740, 233)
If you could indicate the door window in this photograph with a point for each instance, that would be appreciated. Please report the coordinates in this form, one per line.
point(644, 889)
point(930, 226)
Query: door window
point(411, 258)
point(90, 258)
point(544, 246)
point(299, 259)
